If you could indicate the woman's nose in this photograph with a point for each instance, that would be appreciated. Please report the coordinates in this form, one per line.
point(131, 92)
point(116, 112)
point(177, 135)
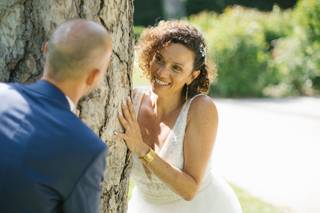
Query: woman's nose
point(163, 71)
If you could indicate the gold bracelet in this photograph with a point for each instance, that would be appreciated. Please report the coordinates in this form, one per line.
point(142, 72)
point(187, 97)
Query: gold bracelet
point(147, 158)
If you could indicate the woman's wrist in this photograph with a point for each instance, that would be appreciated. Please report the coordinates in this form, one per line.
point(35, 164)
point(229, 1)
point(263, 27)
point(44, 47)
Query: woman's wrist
point(143, 150)
point(149, 157)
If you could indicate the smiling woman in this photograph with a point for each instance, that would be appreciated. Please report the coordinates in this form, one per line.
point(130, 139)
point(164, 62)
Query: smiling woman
point(172, 69)
point(166, 130)
point(155, 39)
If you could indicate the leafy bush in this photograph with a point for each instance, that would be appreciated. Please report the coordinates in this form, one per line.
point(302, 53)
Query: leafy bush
point(196, 6)
point(297, 57)
point(239, 42)
point(297, 64)
point(276, 24)
point(264, 54)
point(239, 51)
point(307, 13)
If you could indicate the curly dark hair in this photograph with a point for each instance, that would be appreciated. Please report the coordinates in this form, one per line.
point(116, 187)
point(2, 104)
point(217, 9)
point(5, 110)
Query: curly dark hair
point(155, 38)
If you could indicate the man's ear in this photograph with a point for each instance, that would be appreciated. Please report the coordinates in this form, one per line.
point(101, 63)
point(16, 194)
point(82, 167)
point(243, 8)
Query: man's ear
point(92, 77)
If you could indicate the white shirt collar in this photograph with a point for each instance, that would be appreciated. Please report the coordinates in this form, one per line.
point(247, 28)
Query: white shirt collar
point(72, 106)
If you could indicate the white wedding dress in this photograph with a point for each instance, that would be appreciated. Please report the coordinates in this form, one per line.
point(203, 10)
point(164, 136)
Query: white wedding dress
point(154, 196)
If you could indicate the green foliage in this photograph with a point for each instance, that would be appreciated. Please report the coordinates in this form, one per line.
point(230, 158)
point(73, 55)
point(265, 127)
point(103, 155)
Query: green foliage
point(196, 6)
point(240, 43)
point(297, 61)
point(148, 12)
point(264, 54)
point(276, 24)
point(308, 15)
point(239, 51)
point(296, 58)
point(137, 30)
point(251, 204)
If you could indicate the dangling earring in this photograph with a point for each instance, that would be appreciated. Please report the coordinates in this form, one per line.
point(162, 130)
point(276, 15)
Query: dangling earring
point(187, 92)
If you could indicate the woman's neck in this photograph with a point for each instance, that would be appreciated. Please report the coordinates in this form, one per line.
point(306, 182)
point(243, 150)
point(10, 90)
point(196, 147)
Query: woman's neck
point(165, 105)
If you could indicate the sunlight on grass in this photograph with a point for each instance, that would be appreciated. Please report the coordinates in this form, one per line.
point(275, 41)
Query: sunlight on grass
point(252, 204)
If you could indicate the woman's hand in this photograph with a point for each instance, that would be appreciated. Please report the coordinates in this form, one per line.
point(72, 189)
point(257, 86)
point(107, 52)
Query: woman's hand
point(132, 135)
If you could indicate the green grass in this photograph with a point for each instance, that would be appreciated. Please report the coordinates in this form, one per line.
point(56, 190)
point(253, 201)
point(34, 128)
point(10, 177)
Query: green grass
point(252, 204)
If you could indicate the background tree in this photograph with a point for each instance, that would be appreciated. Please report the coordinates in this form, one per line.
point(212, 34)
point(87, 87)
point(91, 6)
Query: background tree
point(26, 24)
point(173, 9)
point(150, 12)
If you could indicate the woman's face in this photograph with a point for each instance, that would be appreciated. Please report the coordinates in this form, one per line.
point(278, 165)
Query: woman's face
point(172, 68)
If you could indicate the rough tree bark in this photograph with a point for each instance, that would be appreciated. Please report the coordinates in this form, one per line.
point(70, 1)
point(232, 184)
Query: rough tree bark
point(26, 24)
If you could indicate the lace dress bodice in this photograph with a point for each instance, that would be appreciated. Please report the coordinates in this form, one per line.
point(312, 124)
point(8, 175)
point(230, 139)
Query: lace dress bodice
point(152, 188)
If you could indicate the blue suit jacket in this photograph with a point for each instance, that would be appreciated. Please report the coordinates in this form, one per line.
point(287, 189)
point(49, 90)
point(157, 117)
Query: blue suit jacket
point(50, 161)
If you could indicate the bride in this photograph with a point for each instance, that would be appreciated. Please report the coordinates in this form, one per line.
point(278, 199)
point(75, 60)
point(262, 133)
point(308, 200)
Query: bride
point(171, 127)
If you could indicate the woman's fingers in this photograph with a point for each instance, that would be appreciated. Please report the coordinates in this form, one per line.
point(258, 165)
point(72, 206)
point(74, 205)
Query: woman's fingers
point(131, 110)
point(122, 120)
point(125, 111)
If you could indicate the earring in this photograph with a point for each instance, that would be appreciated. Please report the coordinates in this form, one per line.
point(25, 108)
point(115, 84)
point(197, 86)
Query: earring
point(187, 92)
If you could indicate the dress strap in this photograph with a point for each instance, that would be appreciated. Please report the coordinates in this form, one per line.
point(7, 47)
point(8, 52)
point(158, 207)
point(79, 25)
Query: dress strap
point(181, 124)
point(188, 104)
point(191, 99)
point(137, 98)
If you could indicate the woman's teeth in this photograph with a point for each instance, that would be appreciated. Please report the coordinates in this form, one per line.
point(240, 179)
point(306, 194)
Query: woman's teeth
point(162, 83)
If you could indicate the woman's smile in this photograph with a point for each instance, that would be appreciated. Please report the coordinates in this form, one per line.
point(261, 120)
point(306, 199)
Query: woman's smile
point(161, 83)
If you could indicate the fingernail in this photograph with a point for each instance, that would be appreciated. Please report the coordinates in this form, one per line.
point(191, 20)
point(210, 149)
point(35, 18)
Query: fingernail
point(115, 132)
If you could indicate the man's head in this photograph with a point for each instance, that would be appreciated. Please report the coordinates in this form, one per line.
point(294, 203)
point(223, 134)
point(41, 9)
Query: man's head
point(78, 51)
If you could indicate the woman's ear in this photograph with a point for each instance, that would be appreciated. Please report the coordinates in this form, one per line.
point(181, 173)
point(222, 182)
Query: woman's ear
point(194, 75)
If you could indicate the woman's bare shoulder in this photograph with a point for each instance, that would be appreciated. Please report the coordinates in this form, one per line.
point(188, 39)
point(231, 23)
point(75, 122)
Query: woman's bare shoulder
point(203, 107)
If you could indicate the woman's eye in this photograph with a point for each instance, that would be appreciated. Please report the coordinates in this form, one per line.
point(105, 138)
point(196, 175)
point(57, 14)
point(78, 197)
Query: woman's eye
point(176, 68)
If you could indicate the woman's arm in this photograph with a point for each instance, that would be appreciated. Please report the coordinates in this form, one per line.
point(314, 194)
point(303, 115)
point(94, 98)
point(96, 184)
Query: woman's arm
point(198, 142)
point(199, 139)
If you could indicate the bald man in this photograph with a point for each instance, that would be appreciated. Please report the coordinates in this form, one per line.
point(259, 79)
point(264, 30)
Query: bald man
point(50, 161)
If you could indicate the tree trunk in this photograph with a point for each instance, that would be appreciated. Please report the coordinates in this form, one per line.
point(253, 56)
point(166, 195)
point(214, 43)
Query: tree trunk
point(26, 24)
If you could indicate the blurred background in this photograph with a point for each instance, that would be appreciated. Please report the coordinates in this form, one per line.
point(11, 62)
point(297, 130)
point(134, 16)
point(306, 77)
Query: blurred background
point(267, 53)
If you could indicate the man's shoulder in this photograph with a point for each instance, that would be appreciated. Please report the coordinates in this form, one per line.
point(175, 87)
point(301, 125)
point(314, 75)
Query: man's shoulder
point(84, 136)
point(6, 87)
point(3, 86)
point(10, 95)
point(11, 90)
point(74, 138)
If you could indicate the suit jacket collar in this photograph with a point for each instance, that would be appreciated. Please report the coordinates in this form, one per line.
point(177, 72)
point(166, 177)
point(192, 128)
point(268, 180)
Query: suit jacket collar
point(47, 89)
